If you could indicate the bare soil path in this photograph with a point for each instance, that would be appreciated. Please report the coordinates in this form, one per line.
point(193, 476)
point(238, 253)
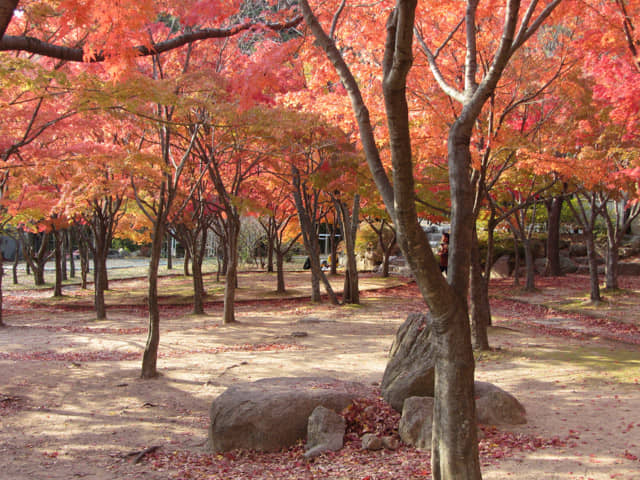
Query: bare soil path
point(72, 404)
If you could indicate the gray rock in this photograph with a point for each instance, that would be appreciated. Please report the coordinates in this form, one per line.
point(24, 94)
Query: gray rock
point(370, 441)
point(273, 413)
point(416, 423)
point(325, 431)
point(567, 265)
point(410, 370)
point(390, 442)
point(502, 267)
point(578, 250)
point(494, 406)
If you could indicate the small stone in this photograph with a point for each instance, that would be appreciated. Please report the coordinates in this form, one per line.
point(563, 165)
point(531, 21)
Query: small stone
point(299, 334)
point(391, 443)
point(371, 441)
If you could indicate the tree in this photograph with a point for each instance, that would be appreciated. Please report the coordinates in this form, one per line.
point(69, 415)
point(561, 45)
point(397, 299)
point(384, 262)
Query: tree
point(191, 224)
point(454, 451)
point(278, 222)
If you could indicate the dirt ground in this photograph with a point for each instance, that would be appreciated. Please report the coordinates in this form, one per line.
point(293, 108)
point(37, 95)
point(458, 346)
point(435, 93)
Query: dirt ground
point(72, 404)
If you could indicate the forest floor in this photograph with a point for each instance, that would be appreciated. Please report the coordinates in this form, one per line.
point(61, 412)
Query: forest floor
point(72, 404)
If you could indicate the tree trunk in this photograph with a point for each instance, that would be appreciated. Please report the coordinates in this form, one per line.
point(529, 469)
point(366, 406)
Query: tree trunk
point(231, 279)
point(187, 260)
point(100, 251)
point(57, 241)
point(198, 288)
point(349, 231)
point(280, 271)
point(169, 253)
point(150, 355)
point(14, 268)
point(72, 262)
point(36, 260)
point(64, 249)
point(1, 293)
point(98, 288)
point(454, 453)
point(516, 261)
point(333, 264)
point(271, 233)
point(199, 246)
point(480, 306)
point(530, 284)
point(554, 209)
point(83, 249)
point(594, 291)
point(611, 278)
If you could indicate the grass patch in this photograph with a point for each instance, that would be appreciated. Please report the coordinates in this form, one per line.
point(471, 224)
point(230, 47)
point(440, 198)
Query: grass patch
point(597, 364)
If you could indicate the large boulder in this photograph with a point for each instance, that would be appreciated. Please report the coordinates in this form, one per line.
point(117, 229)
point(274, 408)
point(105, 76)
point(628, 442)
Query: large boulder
point(416, 424)
point(410, 370)
point(273, 413)
point(494, 406)
point(325, 432)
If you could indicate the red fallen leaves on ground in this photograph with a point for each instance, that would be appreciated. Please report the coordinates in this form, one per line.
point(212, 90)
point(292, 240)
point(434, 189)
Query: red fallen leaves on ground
point(122, 355)
point(349, 462)
point(370, 415)
point(524, 312)
point(106, 330)
point(366, 415)
point(498, 444)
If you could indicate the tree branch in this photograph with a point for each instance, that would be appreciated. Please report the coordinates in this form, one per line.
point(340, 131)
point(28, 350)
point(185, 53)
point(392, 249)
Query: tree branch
point(39, 47)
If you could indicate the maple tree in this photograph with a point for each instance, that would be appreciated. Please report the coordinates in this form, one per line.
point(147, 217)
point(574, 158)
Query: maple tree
point(278, 222)
point(190, 226)
point(454, 452)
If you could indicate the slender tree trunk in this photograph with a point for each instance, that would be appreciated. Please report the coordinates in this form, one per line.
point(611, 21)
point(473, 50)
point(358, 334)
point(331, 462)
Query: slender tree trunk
point(280, 288)
point(63, 254)
point(594, 282)
point(333, 265)
point(169, 253)
point(99, 270)
point(150, 355)
point(480, 306)
point(611, 277)
point(554, 209)
point(199, 246)
point(98, 288)
point(38, 260)
point(57, 241)
point(349, 231)
point(198, 287)
point(187, 261)
point(516, 261)
point(72, 262)
point(14, 268)
point(385, 246)
point(231, 278)
point(530, 284)
point(83, 249)
point(271, 232)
